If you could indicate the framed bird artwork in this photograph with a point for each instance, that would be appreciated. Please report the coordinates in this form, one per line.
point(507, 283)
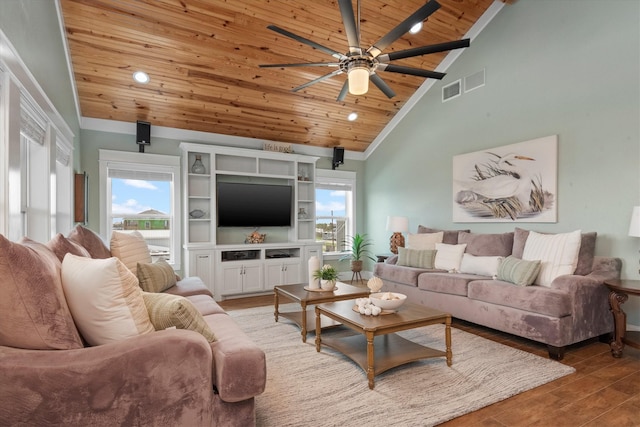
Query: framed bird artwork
point(512, 183)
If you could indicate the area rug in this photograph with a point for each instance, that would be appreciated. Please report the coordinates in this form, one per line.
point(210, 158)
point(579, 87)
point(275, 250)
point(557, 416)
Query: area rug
point(307, 388)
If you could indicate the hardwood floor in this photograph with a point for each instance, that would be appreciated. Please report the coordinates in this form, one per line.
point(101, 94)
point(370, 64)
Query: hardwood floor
point(604, 391)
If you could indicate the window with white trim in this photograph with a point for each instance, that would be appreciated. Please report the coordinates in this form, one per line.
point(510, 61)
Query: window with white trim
point(139, 192)
point(335, 209)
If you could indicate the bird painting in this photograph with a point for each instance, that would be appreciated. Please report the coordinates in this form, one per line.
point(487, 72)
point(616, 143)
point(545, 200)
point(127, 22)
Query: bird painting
point(502, 187)
point(515, 182)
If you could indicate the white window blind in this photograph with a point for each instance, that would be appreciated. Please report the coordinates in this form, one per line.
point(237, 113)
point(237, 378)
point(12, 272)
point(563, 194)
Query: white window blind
point(32, 125)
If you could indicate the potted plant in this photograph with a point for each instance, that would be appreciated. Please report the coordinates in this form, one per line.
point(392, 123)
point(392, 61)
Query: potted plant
point(328, 276)
point(359, 250)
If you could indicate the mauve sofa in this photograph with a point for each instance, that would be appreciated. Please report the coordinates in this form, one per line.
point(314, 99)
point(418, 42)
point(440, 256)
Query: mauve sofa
point(173, 377)
point(574, 308)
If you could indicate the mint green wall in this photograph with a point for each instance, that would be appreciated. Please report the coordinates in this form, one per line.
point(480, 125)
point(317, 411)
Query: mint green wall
point(565, 67)
point(33, 29)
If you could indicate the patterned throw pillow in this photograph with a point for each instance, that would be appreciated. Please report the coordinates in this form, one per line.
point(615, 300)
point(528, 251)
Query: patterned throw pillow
point(166, 311)
point(449, 257)
point(517, 271)
point(416, 258)
point(156, 277)
point(105, 299)
point(131, 249)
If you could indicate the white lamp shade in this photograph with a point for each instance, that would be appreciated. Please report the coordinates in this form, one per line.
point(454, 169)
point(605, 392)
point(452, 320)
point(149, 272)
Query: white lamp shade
point(634, 226)
point(397, 224)
point(358, 80)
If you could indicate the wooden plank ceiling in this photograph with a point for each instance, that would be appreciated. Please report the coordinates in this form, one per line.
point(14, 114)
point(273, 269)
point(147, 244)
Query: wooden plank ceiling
point(203, 56)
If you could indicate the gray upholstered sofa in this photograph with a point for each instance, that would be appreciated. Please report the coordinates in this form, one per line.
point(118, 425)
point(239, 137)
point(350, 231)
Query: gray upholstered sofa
point(171, 377)
point(573, 308)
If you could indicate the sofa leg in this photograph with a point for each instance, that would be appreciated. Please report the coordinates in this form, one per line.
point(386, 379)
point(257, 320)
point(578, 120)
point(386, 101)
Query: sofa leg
point(555, 353)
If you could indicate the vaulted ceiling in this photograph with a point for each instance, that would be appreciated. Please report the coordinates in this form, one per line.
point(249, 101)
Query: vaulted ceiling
point(203, 59)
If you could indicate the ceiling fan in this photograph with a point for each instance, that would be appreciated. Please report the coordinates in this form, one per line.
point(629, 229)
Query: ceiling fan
point(362, 65)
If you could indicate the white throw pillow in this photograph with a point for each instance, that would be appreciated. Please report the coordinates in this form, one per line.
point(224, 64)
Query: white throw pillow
point(558, 254)
point(424, 241)
point(480, 265)
point(104, 298)
point(449, 257)
point(131, 249)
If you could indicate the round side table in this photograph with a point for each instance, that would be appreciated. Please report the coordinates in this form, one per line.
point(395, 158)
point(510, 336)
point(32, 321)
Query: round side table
point(620, 291)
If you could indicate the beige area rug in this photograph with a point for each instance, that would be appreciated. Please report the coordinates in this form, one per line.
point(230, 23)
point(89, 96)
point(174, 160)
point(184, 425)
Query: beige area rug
point(307, 388)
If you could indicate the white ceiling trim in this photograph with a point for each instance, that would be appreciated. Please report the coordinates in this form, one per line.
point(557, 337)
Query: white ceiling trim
point(451, 57)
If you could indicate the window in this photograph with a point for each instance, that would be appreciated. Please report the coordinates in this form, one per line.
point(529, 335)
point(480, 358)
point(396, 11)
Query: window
point(138, 192)
point(335, 209)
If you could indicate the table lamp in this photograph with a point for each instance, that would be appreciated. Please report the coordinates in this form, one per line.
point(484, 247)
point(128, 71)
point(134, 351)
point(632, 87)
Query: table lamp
point(397, 225)
point(634, 226)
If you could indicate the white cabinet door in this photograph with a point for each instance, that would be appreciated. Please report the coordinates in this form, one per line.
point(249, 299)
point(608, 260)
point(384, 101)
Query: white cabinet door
point(291, 273)
point(201, 265)
point(252, 278)
point(273, 273)
point(232, 279)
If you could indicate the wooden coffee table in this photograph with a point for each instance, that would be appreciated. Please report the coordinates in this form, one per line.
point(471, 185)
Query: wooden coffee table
point(377, 348)
point(298, 294)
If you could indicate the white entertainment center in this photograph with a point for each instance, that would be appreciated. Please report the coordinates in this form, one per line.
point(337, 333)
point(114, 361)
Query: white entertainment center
point(219, 255)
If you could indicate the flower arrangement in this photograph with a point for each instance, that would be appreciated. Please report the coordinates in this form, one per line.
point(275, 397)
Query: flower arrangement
point(327, 272)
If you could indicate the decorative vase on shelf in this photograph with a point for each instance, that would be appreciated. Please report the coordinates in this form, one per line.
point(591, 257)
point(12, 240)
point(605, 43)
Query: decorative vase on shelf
point(198, 166)
point(302, 213)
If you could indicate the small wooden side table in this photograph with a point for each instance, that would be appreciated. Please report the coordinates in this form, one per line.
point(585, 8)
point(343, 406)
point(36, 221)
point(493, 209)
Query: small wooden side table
point(620, 291)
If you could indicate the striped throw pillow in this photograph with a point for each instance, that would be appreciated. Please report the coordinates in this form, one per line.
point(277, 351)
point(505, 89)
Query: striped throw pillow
point(166, 311)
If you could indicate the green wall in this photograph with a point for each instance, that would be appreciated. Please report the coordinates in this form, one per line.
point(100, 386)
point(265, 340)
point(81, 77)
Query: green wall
point(565, 67)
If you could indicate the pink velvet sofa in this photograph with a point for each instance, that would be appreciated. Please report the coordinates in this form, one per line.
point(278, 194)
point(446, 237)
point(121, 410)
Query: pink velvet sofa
point(173, 377)
point(573, 308)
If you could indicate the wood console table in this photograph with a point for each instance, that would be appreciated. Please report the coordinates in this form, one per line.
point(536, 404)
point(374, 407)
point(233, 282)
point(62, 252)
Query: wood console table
point(620, 291)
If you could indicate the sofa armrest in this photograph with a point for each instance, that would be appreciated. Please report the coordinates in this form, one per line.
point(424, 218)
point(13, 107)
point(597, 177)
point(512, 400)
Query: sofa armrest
point(591, 315)
point(605, 268)
point(162, 378)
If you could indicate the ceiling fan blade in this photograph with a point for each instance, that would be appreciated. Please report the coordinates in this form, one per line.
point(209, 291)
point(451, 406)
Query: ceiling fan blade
point(314, 81)
point(402, 28)
point(382, 85)
point(349, 21)
point(343, 92)
point(303, 64)
point(411, 71)
point(301, 39)
point(424, 50)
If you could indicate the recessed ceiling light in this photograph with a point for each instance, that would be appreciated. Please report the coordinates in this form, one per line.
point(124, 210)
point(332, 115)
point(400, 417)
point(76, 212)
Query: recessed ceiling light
point(416, 28)
point(141, 77)
point(352, 116)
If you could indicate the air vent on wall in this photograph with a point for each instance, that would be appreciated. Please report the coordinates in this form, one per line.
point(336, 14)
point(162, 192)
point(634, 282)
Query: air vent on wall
point(451, 91)
point(474, 81)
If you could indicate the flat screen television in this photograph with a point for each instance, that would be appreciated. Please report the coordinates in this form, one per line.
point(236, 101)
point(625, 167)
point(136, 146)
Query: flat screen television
point(254, 205)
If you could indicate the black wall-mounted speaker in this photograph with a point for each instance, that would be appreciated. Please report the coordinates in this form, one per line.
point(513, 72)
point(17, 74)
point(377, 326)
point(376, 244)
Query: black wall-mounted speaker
point(143, 133)
point(338, 157)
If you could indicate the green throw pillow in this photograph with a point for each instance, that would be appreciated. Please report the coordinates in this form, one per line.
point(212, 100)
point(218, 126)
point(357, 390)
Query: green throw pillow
point(156, 277)
point(167, 310)
point(416, 258)
point(518, 271)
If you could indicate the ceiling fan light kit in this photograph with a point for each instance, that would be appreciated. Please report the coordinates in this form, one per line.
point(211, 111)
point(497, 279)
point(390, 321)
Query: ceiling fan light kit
point(362, 65)
point(358, 77)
